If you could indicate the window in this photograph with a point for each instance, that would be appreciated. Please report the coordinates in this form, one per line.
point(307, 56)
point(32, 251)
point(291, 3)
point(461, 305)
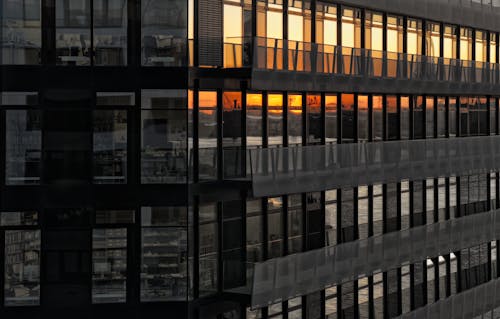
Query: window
point(275, 119)
point(331, 217)
point(429, 116)
point(233, 35)
point(414, 37)
point(314, 120)
point(207, 134)
point(110, 146)
point(363, 212)
point(164, 32)
point(109, 265)
point(378, 117)
point(378, 208)
point(275, 224)
point(433, 48)
point(164, 136)
point(73, 23)
point(331, 126)
point(110, 32)
point(392, 120)
point(441, 117)
point(331, 303)
point(254, 120)
point(208, 249)
point(295, 214)
point(23, 146)
point(374, 39)
point(164, 253)
point(347, 227)
point(493, 114)
point(452, 116)
point(405, 117)
point(254, 225)
point(465, 44)
point(418, 117)
point(326, 33)
point(493, 47)
point(348, 118)
point(450, 42)
point(294, 119)
point(363, 119)
point(21, 32)
point(21, 257)
point(481, 46)
point(231, 133)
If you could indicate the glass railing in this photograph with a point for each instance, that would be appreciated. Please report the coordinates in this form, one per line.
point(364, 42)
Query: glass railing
point(294, 56)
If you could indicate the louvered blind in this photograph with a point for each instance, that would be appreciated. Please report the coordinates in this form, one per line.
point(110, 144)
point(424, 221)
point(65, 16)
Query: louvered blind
point(210, 32)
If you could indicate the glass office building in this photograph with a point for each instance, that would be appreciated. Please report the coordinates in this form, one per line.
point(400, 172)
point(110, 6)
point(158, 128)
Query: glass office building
point(227, 159)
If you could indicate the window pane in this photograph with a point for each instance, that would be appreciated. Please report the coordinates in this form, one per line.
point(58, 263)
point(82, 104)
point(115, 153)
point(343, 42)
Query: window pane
point(21, 32)
point(393, 125)
point(109, 265)
point(110, 32)
point(208, 243)
point(23, 147)
point(378, 118)
point(314, 119)
point(331, 118)
point(294, 119)
point(114, 217)
point(110, 146)
point(275, 119)
point(115, 98)
point(254, 120)
point(164, 32)
point(164, 216)
point(363, 118)
point(73, 32)
point(22, 268)
point(164, 136)
point(348, 119)
point(164, 264)
point(18, 218)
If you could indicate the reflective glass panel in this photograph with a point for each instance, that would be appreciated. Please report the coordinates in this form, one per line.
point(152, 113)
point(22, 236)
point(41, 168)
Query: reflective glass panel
point(331, 125)
point(314, 119)
point(23, 147)
point(254, 120)
point(21, 32)
point(275, 119)
point(110, 32)
point(18, 218)
point(73, 45)
point(164, 136)
point(22, 268)
point(164, 32)
point(109, 265)
point(110, 146)
point(294, 119)
point(207, 134)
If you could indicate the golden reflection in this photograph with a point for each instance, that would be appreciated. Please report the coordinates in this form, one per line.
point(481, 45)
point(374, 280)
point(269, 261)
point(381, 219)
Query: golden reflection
point(394, 34)
point(414, 36)
point(254, 99)
point(274, 25)
point(190, 99)
point(347, 102)
point(480, 46)
point(493, 48)
point(405, 102)
point(207, 98)
point(465, 44)
point(275, 100)
point(351, 28)
point(433, 40)
point(450, 42)
point(378, 102)
point(362, 102)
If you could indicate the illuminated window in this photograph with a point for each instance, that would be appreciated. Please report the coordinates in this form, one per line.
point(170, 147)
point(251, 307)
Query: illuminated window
point(465, 44)
point(493, 48)
point(348, 118)
point(481, 46)
point(374, 31)
point(233, 35)
point(414, 36)
point(450, 42)
point(395, 34)
point(351, 28)
point(433, 39)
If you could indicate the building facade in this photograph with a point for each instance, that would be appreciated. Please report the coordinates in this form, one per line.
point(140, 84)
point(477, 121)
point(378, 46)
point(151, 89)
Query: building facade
point(157, 155)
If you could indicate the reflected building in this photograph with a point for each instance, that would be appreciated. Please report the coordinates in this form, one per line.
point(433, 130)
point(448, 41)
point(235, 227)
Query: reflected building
point(232, 159)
